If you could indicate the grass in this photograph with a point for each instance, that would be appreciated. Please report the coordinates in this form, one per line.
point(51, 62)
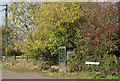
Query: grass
point(68, 75)
point(82, 75)
point(18, 69)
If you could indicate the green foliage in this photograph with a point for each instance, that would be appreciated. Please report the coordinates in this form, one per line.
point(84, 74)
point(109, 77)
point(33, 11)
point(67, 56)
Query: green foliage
point(40, 28)
point(45, 27)
point(108, 63)
point(97, 40)
point(44, 65)
point(13, 52)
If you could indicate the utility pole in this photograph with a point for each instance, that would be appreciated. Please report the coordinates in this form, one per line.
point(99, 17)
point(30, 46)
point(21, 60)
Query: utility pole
point(6, 15)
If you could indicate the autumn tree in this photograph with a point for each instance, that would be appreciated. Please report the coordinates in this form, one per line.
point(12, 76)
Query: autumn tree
point(97, 39)
point(90, 28)
point(46, 26)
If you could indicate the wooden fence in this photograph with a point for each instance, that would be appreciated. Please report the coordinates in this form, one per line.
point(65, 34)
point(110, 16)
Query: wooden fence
point(18, 58)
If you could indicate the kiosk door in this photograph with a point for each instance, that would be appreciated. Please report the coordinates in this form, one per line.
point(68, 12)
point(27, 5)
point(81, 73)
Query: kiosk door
point(62, 59)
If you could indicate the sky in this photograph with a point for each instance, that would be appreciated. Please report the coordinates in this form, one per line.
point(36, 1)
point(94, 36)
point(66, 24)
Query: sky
point(2, 13)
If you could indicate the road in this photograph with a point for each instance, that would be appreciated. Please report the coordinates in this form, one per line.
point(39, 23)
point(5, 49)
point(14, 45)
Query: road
point(25, 75)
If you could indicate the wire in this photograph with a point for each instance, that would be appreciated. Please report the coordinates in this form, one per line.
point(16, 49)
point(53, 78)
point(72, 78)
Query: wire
point(2, 5)
point(2, 10)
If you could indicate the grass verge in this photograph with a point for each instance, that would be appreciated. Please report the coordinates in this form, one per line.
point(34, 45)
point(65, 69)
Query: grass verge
point(18, 69)
point(82, 75)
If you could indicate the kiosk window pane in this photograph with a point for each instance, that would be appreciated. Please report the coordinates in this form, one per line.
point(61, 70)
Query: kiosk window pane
point(62, 55)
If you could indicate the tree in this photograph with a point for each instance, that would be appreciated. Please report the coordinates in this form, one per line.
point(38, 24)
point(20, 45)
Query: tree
point(43, 27)
point(51, 24)
point(97, 38)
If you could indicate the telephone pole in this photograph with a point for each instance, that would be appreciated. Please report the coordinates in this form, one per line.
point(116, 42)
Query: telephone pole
point(6, 24)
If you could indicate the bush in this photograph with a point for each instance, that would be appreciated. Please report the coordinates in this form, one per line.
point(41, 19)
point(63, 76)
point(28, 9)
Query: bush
point(108, 63)
point(43, 65)
point(13, 52)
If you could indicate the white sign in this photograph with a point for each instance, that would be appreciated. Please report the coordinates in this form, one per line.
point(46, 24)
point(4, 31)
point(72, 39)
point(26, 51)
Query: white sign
point(96, 63)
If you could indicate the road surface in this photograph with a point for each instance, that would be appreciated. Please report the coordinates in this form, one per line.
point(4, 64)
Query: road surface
point(25, 75)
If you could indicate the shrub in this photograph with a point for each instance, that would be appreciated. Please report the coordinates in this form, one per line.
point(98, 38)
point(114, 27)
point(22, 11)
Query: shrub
point(43, 65)
point(108, 63)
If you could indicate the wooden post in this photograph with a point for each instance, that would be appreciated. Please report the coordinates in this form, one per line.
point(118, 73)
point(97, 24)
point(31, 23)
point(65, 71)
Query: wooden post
point(6, 10)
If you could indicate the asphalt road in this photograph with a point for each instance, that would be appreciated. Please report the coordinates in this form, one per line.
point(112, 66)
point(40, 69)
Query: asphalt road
point(25, 75)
